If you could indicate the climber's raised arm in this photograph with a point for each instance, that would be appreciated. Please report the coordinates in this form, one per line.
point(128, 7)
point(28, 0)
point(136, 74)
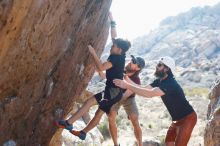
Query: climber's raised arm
point(113, 27)
point(100, 66)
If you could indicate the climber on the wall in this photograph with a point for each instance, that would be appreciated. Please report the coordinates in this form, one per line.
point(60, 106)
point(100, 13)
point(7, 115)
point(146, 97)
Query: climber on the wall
point(132, 70)
point(183, 115)
point(114, 68)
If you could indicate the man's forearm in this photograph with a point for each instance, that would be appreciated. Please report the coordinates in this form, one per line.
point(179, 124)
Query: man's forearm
point(131, 82)
point(113, 32)
point(97, 62)
point(140, 90)
point(113, 26)
point(126, 94)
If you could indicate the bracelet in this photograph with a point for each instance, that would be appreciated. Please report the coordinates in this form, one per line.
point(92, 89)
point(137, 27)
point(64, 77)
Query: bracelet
point(113, 23)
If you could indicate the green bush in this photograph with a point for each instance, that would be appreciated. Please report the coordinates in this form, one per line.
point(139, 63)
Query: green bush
point(150, 126)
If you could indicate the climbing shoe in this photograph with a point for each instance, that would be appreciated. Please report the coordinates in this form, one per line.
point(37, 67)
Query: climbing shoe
point(64, 124)
point(80, 134)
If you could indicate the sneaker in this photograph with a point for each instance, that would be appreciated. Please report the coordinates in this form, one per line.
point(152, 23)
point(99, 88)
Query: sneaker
point(63, 124)
point(80, 134)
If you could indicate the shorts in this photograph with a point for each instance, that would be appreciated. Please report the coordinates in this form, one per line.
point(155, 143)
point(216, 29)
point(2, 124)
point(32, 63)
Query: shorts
point(107, 98)
point(129, 106)
point(180, 131)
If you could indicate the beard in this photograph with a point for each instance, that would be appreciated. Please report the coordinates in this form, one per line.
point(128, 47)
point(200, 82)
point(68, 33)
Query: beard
point(159, 74)
point(128, 69)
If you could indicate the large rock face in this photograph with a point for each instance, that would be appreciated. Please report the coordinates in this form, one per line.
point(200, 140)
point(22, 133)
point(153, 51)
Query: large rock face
point(212, 131)
point(45, 64)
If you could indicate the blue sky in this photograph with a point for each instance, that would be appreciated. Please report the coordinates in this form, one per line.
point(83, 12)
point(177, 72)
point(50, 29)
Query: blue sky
point(137, 17)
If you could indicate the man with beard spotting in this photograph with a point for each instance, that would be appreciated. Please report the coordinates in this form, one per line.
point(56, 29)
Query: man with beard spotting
point(183, 115)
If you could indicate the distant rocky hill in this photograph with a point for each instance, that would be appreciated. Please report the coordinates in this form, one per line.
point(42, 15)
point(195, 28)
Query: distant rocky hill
point(192, 38)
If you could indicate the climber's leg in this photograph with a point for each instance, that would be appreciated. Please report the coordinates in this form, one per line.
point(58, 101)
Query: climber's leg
point(113, 126)
point(67, 124)
point(94, 122)
point(85, 108)
point(96, 99)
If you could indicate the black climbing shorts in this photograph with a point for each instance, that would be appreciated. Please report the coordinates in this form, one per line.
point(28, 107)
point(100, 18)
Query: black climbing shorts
point(107, 98)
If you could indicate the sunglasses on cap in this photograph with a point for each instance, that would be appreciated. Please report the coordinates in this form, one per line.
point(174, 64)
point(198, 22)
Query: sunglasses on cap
point(133, 61)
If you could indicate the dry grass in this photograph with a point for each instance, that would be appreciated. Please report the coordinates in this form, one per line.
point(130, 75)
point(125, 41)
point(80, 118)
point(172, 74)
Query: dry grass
point(196, 91)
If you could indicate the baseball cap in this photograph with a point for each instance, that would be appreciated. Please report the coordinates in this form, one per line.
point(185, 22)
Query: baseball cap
point(168, 61)
point(139, 61)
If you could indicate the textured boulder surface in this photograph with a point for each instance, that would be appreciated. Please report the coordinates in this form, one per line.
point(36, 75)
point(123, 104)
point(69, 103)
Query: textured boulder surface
point(45, 64)
point(212, 131)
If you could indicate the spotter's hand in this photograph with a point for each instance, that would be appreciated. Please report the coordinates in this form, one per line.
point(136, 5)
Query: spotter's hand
point(120, 83)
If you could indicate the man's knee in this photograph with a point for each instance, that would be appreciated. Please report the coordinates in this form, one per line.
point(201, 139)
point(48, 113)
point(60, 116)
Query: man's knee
point(91, 100)
point(169, 143)
point(134, 119)
point(171, 135)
